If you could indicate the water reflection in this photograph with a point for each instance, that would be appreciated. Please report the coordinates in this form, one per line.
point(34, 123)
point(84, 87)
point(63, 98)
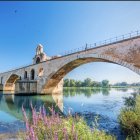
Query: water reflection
point(58, 99)
point(89, 102)
point(105, 103)
point(121, 89)
point(13, 104)
point(85, 91)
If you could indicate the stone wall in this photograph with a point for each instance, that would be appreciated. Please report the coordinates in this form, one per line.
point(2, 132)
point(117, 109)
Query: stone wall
point(26, 87)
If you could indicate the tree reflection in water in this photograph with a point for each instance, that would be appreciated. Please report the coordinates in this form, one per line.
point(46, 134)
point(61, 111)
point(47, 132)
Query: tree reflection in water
point(85, 91)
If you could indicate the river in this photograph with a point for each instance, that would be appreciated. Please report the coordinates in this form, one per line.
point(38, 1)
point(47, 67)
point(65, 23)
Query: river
point(89, 103)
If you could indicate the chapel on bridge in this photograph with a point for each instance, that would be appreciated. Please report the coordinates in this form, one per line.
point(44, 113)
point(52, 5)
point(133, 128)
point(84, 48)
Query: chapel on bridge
point(40, 55)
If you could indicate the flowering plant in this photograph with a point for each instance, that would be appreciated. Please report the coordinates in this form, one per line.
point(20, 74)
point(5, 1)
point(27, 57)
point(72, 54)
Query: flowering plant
point(55, 127)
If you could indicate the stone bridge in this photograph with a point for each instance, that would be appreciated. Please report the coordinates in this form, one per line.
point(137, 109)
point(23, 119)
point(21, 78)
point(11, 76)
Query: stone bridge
point(46, 74)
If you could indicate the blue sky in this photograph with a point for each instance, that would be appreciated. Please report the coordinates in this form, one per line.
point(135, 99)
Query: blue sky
point(61, 26)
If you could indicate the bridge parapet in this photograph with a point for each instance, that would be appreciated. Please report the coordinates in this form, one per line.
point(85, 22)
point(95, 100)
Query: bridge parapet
point(107, 42)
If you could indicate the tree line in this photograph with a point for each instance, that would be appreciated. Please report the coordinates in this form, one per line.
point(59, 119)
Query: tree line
point(90, 83)
point(86, 83)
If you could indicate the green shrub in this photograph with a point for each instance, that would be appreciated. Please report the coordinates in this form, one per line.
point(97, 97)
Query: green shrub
point(130, 122)
point(137, 106)
point(130, 119)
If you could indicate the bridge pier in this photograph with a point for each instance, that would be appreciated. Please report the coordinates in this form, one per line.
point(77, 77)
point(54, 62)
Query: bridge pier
point(26, 87)
point(1, 87)
point(53, 89)
point(34, 87)
point(31, 87)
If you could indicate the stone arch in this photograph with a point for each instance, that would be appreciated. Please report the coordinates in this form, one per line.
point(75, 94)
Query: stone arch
point(10, 83)
point(54, 79)
point(41, 72)
point(32, 76)
point(25, 75)
point(37, 60)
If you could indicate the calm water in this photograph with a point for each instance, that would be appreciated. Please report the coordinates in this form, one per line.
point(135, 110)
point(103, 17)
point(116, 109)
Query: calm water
point(89, 103)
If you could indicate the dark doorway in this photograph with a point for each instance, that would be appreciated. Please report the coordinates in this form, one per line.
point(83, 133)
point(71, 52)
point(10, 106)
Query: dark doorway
point(32, 74)
point(25, 75)
point(37, 60)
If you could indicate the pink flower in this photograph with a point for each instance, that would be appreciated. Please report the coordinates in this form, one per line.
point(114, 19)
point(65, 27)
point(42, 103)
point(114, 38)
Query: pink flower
point(56, 136)
point(25, 118)
point(65, 134)
point(34, 116)
point(32, 133)
point(43, 112)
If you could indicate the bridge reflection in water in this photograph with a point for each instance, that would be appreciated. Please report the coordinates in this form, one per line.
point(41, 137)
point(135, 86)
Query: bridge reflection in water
point(12, 104)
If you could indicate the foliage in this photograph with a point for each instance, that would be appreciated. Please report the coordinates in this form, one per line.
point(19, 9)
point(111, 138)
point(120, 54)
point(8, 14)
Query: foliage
point(125, 84)
point(86, 83)
point(130, 122)
point(55, 127)
point(130, 117)
point(137, 105)
point(90, 83)
point(130, 101)
point(66, 83)
point(105, 83)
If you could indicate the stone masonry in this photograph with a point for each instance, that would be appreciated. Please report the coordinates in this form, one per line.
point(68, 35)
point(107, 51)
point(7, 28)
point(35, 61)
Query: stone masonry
point(48, 73)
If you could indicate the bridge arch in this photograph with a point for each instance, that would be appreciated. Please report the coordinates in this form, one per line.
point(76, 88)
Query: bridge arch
point(54, 79)
point(10, 83)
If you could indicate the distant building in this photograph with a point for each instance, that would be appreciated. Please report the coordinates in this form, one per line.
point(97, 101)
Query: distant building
point(40, 55)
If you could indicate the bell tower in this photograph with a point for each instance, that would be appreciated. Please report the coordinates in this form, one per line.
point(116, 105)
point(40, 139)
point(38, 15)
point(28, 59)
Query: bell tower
point(40, 55)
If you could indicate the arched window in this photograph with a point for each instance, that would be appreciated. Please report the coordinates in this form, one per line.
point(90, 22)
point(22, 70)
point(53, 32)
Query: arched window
point(32, 74)
point(37, 60)
point(25, 75)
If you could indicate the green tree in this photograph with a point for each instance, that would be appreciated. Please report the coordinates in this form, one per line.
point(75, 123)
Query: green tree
point(72, 83)
point(124, 84)
point(87, 82)
point(105, 83)
point(96, 84)
point(78, 84)
point(66, 83)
